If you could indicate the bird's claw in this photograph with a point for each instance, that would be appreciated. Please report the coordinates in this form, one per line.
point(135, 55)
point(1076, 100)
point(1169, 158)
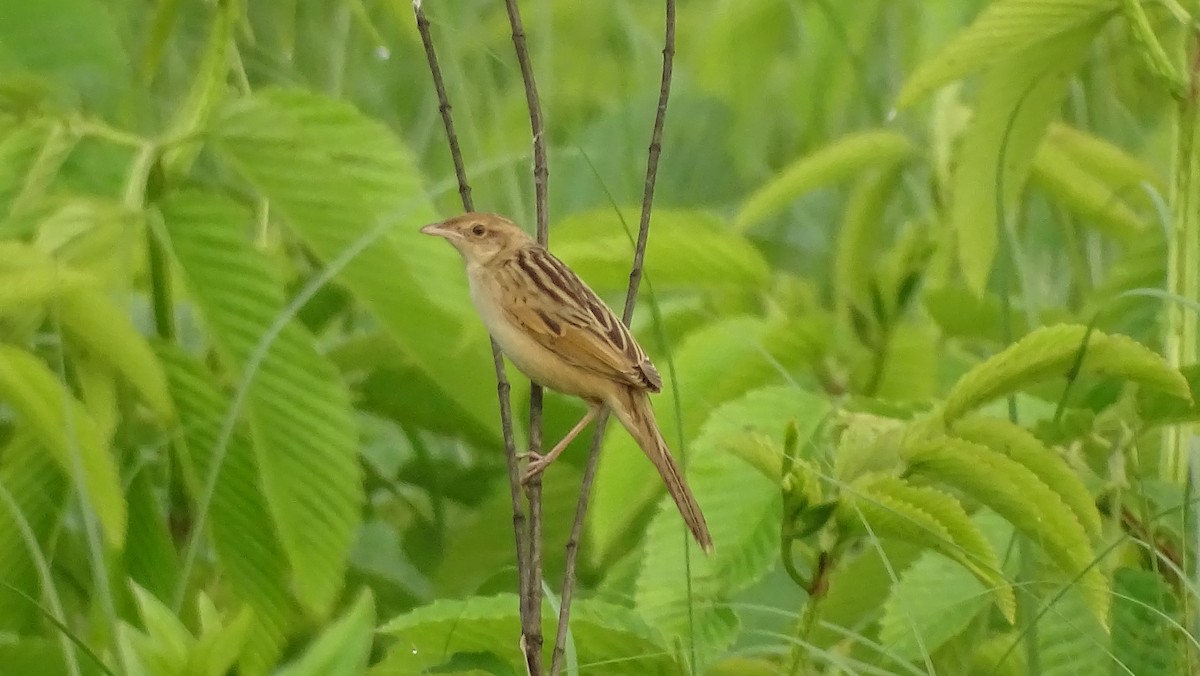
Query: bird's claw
point(537, 464)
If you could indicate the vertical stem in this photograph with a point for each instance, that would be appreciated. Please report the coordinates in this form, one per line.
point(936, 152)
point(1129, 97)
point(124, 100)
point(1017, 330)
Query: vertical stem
point(1183, 272)
point(635, 279)
point(531, 624)
point(524, 578)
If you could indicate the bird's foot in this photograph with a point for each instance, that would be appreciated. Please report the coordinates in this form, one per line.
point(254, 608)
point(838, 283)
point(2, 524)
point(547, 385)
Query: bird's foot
point(536, 465)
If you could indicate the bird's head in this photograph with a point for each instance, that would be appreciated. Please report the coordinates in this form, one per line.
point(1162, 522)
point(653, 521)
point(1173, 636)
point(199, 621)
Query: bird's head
point(479, 237)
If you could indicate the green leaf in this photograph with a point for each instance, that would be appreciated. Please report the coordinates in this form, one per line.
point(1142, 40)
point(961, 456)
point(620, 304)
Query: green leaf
point(1070, 640)
point(1123, 173)
point(713, 364)
point(1004, 28)
point(38, 486)
point(344, 182)
point(858, 240)
point(73, 42)
point(1020, 445)
point(1019, 98)
point(239, 522)
point(892, 508)
point(343, 647)
point(1145, 624)
point(219, 644)
point(1079, 190)
point(686, 249)
point(1157, 407)
point(962, 314)
point(844, 158)
point(1017, 494)
point(150, 558)
point(741, 505)
point(62, 424)
point(1053, 351)
point(95, 324)
point(607, 637)
point(299, 413)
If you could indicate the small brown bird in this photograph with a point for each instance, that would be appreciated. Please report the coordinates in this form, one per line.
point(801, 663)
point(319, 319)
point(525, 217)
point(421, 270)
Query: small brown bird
point(561, 335)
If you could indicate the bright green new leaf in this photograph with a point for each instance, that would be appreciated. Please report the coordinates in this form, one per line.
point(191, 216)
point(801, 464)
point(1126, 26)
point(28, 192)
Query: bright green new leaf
point(1018, 99)
point(1123, 173)
point(858, 239)
point(836, 162)
point(890, 507)
point(1004, 28)
point(95, 324)
point(1018, 444)
point(1054, 351)
point(299, 412)
point(62, 424)
point(1085, 194)
point(1017, 494)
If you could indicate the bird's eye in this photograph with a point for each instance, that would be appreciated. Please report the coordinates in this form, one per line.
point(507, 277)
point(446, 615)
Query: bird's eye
point(477, 230)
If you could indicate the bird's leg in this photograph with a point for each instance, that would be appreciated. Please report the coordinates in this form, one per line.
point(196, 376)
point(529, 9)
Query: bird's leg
point(538, 463)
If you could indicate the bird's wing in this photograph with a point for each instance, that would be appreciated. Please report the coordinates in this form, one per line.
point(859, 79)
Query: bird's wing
point(564, 316)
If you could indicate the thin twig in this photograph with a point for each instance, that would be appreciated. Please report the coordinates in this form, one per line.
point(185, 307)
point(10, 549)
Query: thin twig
point(635, 280)
point(525, 580)
point(531, 622)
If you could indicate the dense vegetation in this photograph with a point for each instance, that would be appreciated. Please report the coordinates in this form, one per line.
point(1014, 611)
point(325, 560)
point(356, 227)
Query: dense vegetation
point(922, 281)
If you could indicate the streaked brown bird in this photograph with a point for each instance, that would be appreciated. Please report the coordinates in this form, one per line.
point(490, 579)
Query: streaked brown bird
point(559, 333)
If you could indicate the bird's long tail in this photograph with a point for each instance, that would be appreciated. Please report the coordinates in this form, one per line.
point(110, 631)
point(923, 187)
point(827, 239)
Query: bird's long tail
point(635, 413)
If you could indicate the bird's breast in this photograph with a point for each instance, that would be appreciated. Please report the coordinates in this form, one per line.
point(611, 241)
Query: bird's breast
point(539, 364)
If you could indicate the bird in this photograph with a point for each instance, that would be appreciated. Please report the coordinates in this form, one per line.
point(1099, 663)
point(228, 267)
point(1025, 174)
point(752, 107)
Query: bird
point(560, 334)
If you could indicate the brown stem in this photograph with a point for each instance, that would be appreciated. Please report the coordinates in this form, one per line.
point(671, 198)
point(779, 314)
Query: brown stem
point(635, 280)
point(524, 577)
point(531, 625)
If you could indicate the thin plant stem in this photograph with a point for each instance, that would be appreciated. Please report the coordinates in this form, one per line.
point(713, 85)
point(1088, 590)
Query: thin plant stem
point(525, 580)
point(635, 278)
point(531, 625)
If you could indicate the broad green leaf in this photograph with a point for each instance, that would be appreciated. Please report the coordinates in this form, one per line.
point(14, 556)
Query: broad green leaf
point(714, 364)
point(299, 413)
point(1004, 28)
point(1070, 640)
point(346, 184)
point(608, 638)
point(892, 508)
point(844, 158)
point(26, 286)
point(742, 508)
point(1082, 192)
point(1017, 494)
point(168, 637)
point(75, 43)
point(151, 561)
point(1054, 351)
point(686, 249)
point(64, 427)
point(239, 522)
point(1019, 98)
point(1145, 623)
point(1018, 444)
point(38, 486)
point(343, 647)
point(935, 600)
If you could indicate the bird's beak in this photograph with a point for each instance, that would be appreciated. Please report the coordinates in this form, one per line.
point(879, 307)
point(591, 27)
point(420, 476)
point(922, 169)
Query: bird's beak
point(437, 230)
